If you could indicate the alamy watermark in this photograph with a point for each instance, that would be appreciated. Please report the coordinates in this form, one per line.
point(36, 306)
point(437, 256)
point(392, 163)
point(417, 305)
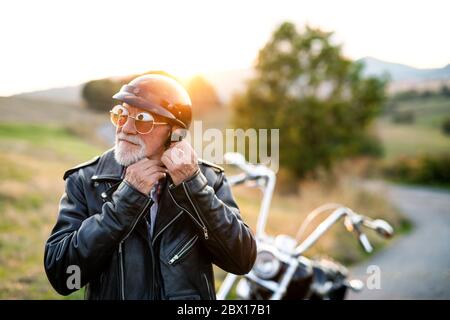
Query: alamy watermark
point(258, 145)
point(73, 281)
point(373, 281)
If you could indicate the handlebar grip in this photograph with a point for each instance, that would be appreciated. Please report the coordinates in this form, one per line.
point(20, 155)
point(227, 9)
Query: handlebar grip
point(365, 242)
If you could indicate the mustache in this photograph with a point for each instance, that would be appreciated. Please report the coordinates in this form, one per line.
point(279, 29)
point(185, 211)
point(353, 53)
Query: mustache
point(130, 138)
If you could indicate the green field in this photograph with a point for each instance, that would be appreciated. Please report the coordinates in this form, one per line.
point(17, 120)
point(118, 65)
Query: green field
point(32, 161)
point(423, 136)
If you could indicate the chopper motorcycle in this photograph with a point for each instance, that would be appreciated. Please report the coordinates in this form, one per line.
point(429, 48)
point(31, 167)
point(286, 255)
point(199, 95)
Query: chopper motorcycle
point(281, 271)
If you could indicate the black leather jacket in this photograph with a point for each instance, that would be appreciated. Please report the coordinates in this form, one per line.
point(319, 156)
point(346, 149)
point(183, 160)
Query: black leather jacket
point(101, 229)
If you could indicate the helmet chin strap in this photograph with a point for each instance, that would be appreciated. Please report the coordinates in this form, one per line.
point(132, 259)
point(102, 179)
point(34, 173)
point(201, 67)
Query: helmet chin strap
point(176, 134)
point(168, 140)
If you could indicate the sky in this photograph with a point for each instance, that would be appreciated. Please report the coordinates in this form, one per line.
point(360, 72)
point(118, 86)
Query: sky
point(50, 43)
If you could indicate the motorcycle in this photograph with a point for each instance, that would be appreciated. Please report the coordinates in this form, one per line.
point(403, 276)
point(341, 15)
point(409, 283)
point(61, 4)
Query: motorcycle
point(281, 271)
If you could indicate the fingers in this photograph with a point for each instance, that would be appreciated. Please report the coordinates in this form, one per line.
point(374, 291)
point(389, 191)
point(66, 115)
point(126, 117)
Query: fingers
point(167, 161)
point(180, 160)
point(154, 169)
point(144, 164)
point(179, 153)
point(156, 176)
point(146, 167)
point(145, 173)
point(148, 162)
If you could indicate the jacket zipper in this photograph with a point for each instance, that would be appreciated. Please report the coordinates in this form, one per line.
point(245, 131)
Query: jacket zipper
point(207, 286)
point(153, 242)
point(166, 226)
point(153, 260)
point(121, 264)
point(137, 220)
point(183, 250)
point(122, 278)
point(205, 230)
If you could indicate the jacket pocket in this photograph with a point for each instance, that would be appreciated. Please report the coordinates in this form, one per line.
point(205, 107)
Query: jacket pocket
point(183, 251)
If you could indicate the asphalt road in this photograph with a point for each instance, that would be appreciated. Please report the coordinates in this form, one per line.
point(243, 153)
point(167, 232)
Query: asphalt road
point(417, 265)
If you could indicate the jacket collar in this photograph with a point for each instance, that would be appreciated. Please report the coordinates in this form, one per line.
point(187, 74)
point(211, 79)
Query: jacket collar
point(166, 209)
point(108, 168)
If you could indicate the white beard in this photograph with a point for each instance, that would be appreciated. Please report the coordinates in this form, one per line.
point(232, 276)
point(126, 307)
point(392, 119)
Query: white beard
point(123, 155)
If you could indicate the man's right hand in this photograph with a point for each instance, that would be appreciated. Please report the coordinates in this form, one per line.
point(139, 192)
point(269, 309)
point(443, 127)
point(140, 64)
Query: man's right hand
point(144, 174)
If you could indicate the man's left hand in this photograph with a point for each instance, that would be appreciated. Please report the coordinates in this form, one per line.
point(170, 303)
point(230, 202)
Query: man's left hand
point(180, 160)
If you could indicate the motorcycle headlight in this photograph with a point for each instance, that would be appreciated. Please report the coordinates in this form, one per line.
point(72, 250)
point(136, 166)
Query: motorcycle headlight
point(266, 265)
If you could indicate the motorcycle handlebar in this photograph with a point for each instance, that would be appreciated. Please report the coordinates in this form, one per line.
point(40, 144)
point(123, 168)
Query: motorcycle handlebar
point(365, 242)
point(264, 178)
point(237, 179)
point(253, 172)
point(354, 223)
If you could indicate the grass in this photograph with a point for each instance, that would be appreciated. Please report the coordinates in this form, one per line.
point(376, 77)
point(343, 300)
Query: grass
point(429, 112)
point(424, 136)
point(52, 141)
point(33, 159)
point(409, 140)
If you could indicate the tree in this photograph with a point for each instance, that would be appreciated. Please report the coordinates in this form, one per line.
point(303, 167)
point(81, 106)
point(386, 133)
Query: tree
point(445, 91)
point(445, 127)
point(98, 94)
point(318, 98)
point(404, 116)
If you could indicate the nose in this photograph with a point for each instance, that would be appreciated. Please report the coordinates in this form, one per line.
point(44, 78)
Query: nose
point(129, 127)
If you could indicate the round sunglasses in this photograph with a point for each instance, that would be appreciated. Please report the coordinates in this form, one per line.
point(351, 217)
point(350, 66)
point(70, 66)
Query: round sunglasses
point(143, 121)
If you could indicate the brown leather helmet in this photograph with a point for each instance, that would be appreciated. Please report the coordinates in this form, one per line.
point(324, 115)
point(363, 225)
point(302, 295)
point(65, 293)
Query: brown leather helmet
point(161, 95)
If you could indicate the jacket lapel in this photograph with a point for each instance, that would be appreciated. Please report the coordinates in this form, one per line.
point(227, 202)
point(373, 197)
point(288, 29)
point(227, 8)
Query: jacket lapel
point(108, 170)
point(167, 210)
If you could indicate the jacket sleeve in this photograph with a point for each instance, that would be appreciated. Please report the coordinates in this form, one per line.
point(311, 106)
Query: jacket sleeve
point(227, 238)
point(88, 241)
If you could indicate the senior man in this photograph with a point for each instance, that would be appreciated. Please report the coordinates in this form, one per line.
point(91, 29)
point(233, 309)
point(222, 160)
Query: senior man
point(147, 219)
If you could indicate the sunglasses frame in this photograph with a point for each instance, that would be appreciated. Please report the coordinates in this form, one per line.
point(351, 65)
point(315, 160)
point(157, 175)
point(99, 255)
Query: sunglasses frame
point(134, 122)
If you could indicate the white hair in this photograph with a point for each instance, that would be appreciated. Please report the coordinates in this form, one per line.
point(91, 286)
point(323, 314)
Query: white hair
point(127, 158)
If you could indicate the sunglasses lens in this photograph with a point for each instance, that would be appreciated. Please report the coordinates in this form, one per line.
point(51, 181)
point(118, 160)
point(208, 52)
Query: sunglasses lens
point(143, 121)
point(119, 115)
point(143, 126)
point(118, 120)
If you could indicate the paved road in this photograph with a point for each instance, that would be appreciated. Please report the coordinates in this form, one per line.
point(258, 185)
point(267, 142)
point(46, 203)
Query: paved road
point(417, 265)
